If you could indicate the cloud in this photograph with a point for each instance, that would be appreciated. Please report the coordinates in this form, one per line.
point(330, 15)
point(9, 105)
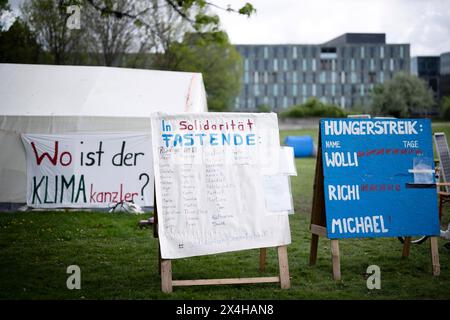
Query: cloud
point(425, 24)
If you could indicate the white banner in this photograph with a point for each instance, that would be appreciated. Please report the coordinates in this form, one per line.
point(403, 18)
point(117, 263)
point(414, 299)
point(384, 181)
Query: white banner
point(88, 170)
point(209, 171)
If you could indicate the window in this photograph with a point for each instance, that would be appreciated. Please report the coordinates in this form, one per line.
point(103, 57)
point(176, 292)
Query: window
point(275, 90)
point(343, 102)
point(362, 52)
point(245, 77)
point(285, 102)
point(381, 77)
point(294, 52)
point(343, 77)
point(333, 77)
point(285, 64)
point(246, 64)
point(353, 77)
point(391, 64)
point(401, 52)
point(313, 64)
point(304, 66)
point(294, 77)
point(256, 90)
point(304, 89)
point(333, 89)
point(266, 52)
point(372, 64)
point(322, 77)
point(275, 64)
point(314, 89)
point(361, 90)
point(352, 65)
point(255, 77)
point(294, 89)
point(381, 52)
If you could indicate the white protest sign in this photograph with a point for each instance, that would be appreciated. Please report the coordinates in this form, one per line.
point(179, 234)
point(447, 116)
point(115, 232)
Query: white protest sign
point(209, 170)
point(88, 170)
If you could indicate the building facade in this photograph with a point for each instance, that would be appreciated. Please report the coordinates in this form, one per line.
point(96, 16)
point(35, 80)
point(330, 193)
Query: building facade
point(428, 69)
point(444, 75)
point(341, 71)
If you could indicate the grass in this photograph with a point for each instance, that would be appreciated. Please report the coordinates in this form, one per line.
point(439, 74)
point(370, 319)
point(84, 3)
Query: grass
point(119, 261)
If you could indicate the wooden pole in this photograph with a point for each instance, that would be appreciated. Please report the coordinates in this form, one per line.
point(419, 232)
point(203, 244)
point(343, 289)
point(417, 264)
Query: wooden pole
point(313, 249)
point(262, 259)
point(166, 276)
point(285, 281)
point(406, 247)
point(435, 256)
point(336, 259)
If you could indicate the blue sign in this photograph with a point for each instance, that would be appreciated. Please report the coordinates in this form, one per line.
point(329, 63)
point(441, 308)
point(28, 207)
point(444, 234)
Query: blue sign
point(379, 178)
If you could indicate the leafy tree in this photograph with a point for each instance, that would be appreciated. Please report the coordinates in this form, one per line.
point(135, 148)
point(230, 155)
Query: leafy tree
point(48, 19)
point(402, 96)
point(215, 58)
point(264, 108)
point(106, 37)
point(19, 45)
point(314, 108)
point(445, 108)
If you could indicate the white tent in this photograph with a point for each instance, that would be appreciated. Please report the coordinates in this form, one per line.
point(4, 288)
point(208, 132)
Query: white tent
point(61, 99)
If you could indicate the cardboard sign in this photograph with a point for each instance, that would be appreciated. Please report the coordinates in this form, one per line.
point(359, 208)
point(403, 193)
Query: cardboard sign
point(88, 170)
point(378, 178)
point(209, 171)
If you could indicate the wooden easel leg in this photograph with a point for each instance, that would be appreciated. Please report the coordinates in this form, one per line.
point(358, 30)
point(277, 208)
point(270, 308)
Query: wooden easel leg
point(166, 276)
point(262, 259)
point(435, 256)
point(336, 259)
point(159, 259)
point(285, 281)
point(313, 249)
point(406, 247)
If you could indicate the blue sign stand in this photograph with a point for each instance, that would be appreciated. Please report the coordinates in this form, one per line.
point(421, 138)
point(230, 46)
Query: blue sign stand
point(374, 178)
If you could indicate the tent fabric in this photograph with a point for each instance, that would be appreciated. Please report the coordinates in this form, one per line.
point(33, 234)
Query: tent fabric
point(75, 99)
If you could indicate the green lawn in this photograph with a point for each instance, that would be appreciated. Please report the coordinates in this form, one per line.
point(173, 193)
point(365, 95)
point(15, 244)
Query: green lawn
point(119, 261)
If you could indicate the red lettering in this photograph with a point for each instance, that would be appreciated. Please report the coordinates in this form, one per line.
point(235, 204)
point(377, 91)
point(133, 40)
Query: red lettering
point(39, 159)
point(183, 125)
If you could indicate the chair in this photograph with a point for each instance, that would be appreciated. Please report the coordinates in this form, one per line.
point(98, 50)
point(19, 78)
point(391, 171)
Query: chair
point(443, 152)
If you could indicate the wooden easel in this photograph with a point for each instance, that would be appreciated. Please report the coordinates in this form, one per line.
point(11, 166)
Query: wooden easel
point(318, 226)
point(167, 282)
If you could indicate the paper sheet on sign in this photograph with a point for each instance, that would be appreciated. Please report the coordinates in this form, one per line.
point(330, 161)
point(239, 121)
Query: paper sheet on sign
point(277, 188)
point(209, 171)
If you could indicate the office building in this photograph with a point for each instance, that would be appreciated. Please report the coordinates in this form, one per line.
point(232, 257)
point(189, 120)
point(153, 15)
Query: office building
point(341, 71)
point(445, 75)
point(427, 68)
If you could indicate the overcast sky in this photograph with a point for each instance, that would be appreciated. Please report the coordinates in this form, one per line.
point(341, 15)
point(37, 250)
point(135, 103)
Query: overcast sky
point(425, 24)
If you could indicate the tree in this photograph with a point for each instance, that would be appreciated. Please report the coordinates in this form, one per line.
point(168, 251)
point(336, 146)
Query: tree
point(19, 45)
point(402, 96)
point(48, 19)
point(445, 108)
point(217, 60)
point(107, 37)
